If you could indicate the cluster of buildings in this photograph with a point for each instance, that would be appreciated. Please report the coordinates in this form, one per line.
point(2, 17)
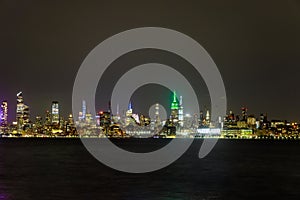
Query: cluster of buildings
point(130, 124)
point(50, 125)
point(248, 126)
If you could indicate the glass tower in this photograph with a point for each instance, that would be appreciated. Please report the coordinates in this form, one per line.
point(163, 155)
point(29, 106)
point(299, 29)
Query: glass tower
point(55, 112)
point(3, 114)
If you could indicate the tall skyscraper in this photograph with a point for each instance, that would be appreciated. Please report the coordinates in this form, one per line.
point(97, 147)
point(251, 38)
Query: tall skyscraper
point(3, 114)
point(129, 114)
point(129, 111)
point(174, 109)
point(180, 112)
point(22, 113)
point(157, 118)
point(83, 109)
point(55, 112)
point(82, 114)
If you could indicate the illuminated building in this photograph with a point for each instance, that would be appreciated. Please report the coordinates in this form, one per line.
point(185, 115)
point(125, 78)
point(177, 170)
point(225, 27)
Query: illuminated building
point(156, 123)
point(3, 114)
point(22, 113)
point(129, 114)
point(174, 109)
point(168, 130)
point(55, 112)
point(220, 123)
point(202, 119)
point(244, 113)
point(263, 121)
point(48, 118)
point(180, 112)
point(136, 118)
point(208, 132)
point(188, 121)
point(70, 120)
point(38, 121)
point(207, 118)
point(105, 121)
point(38, 124)
point(20, 108)
point(157, 118)
point(69, 126)
point(195, 122)
point(129, 111)
point(98, 119)
point(251, 121)
point(88, 118)
point(237, 133)
point(231, 117)
point(82, 114)
point(116, 118)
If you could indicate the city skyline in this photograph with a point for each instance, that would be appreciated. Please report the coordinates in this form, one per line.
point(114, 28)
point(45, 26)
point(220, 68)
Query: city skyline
point(130, 124)
point(54, 106)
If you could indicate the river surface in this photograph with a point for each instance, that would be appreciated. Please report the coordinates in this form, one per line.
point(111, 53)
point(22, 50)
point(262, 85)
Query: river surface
point(63, 169)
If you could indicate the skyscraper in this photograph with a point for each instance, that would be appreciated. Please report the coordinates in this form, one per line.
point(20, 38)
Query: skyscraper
point(129, 114)
point(180, 112)
point(22, 113)
point(83, 109)
point(157, 118)
point(20, 106)
point(55, 112)
point(82, 114)
point(3, 114)
point(174, 109)
point(129, 111)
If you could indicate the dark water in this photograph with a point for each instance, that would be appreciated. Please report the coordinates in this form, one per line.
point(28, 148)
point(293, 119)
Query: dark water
point(235, 169)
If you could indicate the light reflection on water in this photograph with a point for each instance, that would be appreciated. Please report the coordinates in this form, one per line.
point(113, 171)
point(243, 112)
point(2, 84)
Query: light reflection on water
point(3, 196)
point(63, 169)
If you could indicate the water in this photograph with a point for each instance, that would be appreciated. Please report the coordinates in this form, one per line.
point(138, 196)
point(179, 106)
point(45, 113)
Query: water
point(235, 169)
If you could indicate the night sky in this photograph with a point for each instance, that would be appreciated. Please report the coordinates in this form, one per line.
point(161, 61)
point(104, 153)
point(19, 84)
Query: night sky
point(255, 45)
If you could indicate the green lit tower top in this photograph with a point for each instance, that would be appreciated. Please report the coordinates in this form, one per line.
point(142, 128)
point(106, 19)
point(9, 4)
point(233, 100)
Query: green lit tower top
point(174, 105)
point(174, 110)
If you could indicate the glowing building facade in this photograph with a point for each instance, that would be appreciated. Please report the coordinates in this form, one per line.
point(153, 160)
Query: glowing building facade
point(55, 112)
point(3, 114)
point(129, 114)
point(82, 114)
point(22, 113)
point(180, 112)
point(174, 109)
point(157, 118)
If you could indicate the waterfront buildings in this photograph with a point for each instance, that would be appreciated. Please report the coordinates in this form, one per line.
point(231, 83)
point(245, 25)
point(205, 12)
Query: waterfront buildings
point(131, 124)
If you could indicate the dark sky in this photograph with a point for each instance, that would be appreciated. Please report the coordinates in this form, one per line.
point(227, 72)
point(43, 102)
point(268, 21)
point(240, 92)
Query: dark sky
point(255, 44)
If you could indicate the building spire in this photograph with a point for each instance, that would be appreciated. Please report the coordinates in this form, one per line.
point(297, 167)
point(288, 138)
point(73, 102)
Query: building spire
point(130, 106)
point(174, 97)
point(174, 105)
